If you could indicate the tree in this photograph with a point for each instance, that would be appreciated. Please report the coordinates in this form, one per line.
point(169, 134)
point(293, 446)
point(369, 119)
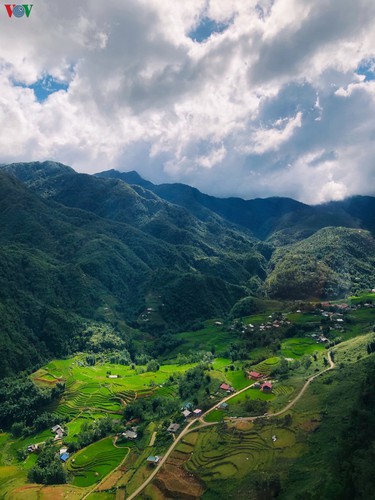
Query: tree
point(48, 468)
point(152, 366)
point(18, 429)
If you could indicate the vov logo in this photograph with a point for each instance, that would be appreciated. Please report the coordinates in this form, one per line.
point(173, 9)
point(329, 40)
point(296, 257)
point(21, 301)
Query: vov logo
point(18, 10)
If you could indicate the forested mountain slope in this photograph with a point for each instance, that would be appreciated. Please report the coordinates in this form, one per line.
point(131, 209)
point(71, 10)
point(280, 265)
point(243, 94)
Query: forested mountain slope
point(60, 266)
point(290, 219)
point(73, 245)
point(332, 263)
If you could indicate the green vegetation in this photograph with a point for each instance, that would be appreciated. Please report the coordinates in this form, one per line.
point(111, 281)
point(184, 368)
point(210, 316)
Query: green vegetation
point(298, 347)
point(68, 270)
point(48, 468)
point(115, 284)
point(94, 462)
point(331, 263)
point(97, 399)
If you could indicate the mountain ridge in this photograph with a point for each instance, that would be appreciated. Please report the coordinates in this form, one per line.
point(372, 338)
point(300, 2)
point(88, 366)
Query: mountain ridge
point(262, 216)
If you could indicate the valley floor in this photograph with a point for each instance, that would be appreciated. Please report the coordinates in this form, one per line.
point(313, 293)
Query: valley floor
point(243, 442)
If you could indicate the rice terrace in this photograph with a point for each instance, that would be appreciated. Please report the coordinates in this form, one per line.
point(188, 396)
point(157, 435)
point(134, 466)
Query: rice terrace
point(200, 427)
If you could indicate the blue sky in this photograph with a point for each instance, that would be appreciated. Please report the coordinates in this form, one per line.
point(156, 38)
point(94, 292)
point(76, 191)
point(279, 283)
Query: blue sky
point(367, 68)
point(45, 86)
point(206, 28)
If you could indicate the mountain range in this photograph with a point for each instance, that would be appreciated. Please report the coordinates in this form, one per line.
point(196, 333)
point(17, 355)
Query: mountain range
point(77, 248)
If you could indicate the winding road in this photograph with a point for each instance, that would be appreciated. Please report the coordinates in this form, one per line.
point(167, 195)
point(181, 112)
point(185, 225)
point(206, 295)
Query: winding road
point(190, 428)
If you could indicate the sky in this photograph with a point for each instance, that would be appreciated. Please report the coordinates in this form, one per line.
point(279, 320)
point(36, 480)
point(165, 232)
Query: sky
point(249, 98)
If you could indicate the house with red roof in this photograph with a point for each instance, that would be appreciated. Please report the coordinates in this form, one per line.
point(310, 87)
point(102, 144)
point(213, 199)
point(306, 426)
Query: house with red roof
point(255, 375)
point(266, 387)
point(226, 387)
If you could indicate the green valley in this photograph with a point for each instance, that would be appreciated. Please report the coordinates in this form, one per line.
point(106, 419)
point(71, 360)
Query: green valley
point(236, 448)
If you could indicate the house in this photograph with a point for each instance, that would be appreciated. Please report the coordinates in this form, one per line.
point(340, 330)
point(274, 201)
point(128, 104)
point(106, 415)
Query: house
point(55, 428)
point(63, 450)
point(59, 434)
point(226, 387)
point(173, 428)
point(343, 307)
point(266, 387)
point(64, 457)
point(255, 375)
point(113, 376)
point(32, 447)
point(129, 434)
point(256, 385)
point(58, 431)
point(153, 459)
point(197, 412)
point(186, 413)
point(223, 406)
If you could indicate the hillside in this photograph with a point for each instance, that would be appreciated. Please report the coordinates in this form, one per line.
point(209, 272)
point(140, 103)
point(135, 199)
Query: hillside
point(77, 248)
point(311, 434)
point(330, 264)
point(282, 220)
point(62, 267)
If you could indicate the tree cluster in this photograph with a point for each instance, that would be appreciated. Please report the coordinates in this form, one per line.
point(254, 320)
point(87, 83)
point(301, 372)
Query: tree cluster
point(22, 401)
point(48, 468)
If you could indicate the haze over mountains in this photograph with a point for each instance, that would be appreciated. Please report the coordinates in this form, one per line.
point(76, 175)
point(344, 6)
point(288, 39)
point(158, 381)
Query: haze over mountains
point(76, 248)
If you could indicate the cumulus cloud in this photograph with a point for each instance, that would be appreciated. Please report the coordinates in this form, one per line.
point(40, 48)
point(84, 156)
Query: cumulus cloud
point(278, 100)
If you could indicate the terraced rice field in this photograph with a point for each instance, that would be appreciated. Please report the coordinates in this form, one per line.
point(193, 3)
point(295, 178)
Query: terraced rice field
point(94, 462)
point(221, 455)
point(266, 366)
point(94, 397)
point(166, 391)
point(283, 390)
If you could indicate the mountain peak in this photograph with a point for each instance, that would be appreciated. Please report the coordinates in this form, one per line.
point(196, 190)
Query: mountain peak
point(131, 177)
point(32, 171)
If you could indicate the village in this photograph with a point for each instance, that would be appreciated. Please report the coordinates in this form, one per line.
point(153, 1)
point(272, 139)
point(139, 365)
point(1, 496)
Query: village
point(229, 391)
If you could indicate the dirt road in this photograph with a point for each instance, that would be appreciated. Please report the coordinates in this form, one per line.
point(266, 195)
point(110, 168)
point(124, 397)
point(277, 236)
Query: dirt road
point(189, 428)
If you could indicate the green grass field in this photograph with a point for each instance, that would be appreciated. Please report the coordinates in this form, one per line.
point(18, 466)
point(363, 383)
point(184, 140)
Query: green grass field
point(250, 394)
point(362, 298)
point(303, 318)
point(215, 416)
point(212, 336)
point(297, 347)
point(237, 379)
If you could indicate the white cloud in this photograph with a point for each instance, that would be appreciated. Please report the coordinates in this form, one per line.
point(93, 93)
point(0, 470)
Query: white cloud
point(278, 87)
point(270, 139)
